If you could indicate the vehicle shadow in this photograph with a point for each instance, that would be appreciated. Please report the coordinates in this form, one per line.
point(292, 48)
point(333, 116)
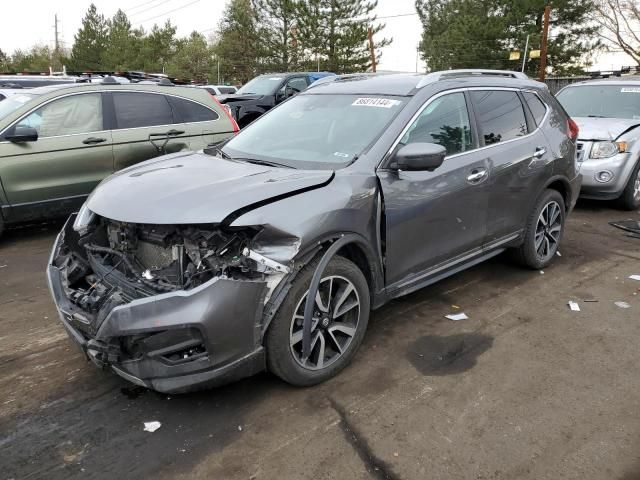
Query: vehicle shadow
point(34, 231)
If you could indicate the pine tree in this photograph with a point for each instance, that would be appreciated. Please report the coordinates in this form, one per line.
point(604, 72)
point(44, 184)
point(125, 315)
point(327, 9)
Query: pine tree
point(193, 59)
point(123, 45)
point(481, 33)
point(158, 48)
point(278, 21)
point(90, 42)
point(336, 32)
point(238, 44)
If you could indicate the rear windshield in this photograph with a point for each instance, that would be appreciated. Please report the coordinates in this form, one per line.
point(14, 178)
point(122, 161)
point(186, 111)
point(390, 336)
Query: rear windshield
point(14, 102)
point(609, 101)
point(316, 131)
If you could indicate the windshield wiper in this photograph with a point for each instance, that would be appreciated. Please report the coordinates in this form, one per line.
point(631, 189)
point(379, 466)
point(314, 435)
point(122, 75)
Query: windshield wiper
point(596, 116)
point(216, 150)
point(262, 162)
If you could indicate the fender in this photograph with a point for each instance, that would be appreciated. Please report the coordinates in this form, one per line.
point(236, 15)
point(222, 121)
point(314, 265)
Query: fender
point(304, 257)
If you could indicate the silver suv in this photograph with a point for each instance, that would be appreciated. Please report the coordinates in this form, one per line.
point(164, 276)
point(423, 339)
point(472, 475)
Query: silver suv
point(608, 114)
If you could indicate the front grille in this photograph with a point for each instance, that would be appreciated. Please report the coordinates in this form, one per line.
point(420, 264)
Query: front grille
point(582, 150)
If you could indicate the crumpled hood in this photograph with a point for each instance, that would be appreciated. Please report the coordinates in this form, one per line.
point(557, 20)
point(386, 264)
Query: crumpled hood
point(603, 128)
point(195, 188)
point(233, 97)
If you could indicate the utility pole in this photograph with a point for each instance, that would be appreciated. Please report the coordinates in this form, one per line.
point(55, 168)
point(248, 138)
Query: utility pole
point(56, 42)
point(55, 29)
point(543, 47)
point(526, 48)
point(372, 51)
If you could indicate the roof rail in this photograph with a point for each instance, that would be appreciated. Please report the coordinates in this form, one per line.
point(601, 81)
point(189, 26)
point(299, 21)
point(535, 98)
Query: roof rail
point(470, 72)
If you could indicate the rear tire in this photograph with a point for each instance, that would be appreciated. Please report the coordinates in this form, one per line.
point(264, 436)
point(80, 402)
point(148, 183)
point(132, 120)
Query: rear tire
point(341, 322)
point(543, 231)
point(630, 198)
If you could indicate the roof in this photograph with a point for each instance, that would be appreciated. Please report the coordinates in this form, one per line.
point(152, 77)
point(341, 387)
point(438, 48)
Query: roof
point(153, 87)
point(626, 80)
point(408, 84)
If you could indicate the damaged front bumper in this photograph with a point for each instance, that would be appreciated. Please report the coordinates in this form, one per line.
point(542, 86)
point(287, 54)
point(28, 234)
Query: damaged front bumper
point(170, 342)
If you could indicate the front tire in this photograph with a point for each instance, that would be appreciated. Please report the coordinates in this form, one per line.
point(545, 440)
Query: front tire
point(543, 231)
point(340, 320)
point(630, 198)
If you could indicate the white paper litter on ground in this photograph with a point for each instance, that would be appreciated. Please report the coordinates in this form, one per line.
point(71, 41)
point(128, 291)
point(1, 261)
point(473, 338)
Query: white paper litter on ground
point(622, 304)
point(457, 316)
point(574, 306)
point(635, 277)
point(151, 426)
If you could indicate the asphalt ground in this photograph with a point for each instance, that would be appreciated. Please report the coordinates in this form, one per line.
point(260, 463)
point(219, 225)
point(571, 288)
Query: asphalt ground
point(523, 389)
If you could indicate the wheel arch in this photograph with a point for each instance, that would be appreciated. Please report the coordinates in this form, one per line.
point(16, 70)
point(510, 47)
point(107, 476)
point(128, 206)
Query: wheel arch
point(562, 186)
point(355, 249)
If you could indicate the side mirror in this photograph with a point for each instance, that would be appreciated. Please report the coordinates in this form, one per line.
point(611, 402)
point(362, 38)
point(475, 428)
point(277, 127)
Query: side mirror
point(290, 91)
point(420, 156)
point(22, 134)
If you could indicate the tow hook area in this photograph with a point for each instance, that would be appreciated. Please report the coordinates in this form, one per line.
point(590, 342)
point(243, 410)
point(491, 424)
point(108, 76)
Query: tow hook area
point(101, 354)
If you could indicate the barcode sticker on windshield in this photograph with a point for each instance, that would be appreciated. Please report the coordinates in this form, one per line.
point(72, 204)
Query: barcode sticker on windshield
point(630, 90)
point(375, 102)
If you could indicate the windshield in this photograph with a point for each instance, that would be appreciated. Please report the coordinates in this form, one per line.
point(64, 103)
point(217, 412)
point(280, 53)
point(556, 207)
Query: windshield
point(14, 102)
point(610, 101)
point(316, 131)
point(263, 85)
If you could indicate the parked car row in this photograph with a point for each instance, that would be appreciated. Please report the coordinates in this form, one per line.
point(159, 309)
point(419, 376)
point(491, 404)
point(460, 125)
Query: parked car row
point(267, 247)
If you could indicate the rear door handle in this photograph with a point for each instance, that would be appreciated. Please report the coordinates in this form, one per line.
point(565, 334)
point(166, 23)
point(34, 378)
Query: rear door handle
point(172, 133)
point(476, 175)
point(540, 152)
point(93, 140)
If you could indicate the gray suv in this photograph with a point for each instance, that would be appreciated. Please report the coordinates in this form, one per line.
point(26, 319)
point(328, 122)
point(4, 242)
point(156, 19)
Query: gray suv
point(270, 250)
point(608, 114)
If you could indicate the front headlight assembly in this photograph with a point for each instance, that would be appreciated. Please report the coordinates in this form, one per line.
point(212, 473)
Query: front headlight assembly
point(607, 149)
point(84, 219)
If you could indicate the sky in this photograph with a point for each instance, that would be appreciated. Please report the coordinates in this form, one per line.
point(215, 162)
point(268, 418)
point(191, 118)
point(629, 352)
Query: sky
point(203, 16)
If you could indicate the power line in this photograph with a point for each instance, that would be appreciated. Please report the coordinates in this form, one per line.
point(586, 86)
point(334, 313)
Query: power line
point(167, 13)
point(139, 5)
point(149, 8)
point(395, 16)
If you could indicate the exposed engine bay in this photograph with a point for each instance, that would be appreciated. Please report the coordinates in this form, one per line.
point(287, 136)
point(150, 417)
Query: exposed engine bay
point(116, 262)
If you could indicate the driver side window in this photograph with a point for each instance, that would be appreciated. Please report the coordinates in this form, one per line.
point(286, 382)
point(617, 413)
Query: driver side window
point(67, 116)
point(296, 85)
point(445, 121)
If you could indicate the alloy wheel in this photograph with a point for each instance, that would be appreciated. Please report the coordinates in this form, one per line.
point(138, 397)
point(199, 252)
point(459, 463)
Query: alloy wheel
point(335, 322)
point(548, 230)
point(636, 188)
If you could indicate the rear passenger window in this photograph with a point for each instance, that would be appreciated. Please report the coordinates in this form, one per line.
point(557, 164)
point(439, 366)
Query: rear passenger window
point(445, 121)
point(538, 109)
point(134, 110)
point(189, 111)
point(500, 115)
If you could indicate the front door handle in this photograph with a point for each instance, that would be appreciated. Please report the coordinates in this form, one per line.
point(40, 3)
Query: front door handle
point(476, 175)
point(93, 140)
point(540, 152)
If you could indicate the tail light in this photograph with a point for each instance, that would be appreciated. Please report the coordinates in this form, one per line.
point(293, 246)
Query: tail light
point(227, 110)
point(573, 129)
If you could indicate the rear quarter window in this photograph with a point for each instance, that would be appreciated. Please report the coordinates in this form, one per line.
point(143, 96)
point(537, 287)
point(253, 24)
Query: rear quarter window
point(189, 111)
point(537, 107)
